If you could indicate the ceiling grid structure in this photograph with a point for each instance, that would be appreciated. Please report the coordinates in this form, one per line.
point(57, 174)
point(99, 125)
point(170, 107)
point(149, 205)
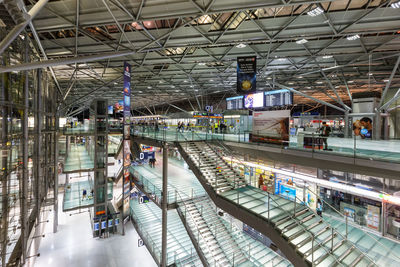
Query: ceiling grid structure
point(187, 49)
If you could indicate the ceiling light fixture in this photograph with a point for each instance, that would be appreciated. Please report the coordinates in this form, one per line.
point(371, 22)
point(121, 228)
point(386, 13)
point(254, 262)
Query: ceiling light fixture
point(300, 77)
point(315, 12)
point(290, 83)
point(302, 41)
point(202, 63)
point(350, 82)
point(353, 37)
point(241, 45)
point(149, 87)
point(386, 81)
point(140, 91)
point(319, 82)
point(185, 81)
point(191, 86)
point(115, 83)
point(281, 59)
point(395, 5)
point(327, 56)
point(211, 80)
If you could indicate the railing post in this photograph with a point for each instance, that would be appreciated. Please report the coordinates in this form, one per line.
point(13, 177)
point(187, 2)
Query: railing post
point(269, 200)
point(346, 225)
point(332, 241)
point(294, 207)
point(312, 251)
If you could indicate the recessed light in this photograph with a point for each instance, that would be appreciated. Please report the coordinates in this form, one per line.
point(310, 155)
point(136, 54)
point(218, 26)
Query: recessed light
point(302, 41)
point(395, 5)
point(350, 82)
point(353, 37)
point(300, 77)
point(177, 91)
point(172, 86)
point(308, 87)
point(327, 56)
point(202, 63)
point(160, 81)
point(185, 81)
point(386, 81)
point(337, 86)
point(290, 83)
point(211, 80)
point(241, 45)
point(282, 59)
point(370, 74)
point(191, 86)
point(196, 90)
point(115, 83)
point(140, 91)
point(315, 12)
point(269, 78)
point(319, 82)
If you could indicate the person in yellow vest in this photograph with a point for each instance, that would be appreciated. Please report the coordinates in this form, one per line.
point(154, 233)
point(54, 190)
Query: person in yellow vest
point(216, 127)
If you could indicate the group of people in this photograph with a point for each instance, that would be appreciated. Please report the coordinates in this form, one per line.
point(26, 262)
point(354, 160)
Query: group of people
point(85, 196)
point(152, 162)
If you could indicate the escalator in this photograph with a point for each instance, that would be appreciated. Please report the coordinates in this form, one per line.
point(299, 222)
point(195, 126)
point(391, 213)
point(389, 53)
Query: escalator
point(305, 238)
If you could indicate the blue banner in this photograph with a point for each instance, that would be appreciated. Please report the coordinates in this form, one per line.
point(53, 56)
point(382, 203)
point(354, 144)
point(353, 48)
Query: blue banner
point(126, 137)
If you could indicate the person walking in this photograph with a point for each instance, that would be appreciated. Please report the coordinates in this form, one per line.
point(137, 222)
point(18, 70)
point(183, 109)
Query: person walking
point(324, 133)
point(319, 207)
point(84, 194)
point(260, 181)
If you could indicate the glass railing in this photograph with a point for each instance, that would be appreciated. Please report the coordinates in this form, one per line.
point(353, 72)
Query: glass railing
point(382, 150)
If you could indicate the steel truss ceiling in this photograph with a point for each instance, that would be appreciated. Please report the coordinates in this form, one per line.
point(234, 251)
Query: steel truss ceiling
point(185, 49)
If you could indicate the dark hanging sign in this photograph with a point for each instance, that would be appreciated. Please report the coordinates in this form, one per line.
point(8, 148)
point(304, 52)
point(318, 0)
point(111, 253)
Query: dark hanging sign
point(246, 75)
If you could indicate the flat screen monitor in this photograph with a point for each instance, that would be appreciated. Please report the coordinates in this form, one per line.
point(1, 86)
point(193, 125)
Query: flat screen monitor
point(254, 100)
point(278, 98)
point(235, 102)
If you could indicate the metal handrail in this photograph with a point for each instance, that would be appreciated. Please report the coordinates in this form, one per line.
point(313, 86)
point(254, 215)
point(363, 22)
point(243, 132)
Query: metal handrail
point(198, 231)
point(297, 222)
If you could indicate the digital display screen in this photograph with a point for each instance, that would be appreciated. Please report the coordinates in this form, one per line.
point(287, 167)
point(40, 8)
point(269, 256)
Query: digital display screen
point(278, 98)
point(234, 103)
point(254, 100)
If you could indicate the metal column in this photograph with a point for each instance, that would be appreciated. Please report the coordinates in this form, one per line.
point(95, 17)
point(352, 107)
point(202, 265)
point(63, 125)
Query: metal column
point(346, 124)
point(164, 207)
point(25, 159)
point(55, 214)
point(38, 143)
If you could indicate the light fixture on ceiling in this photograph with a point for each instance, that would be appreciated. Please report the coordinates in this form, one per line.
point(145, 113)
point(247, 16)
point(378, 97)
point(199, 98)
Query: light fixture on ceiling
point(395, 4)
point(319, 82)
point(350, 82)
point(185, 81)
point(315, 12)
point(241, 45)
point(290, 83)
point(140, 92)
point(149, 87)
point(191, 86)
point(337, 86)
point(202, 63)
point(196, 90)
point(386, 81)
point(282, 59)
point(115, 83)
point(370, 74)
point(172, 86)
point(177, 91)
point(327, 56)
point(302, 41)
point(300, 77)
point(353, 37)
point(211, 80)
point(269, 78)
point(308, 87)
point(160, 82)
point(22, 36)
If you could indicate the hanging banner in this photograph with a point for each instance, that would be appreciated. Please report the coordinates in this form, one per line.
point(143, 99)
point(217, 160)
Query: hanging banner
point(127, 137)
point(246, 75)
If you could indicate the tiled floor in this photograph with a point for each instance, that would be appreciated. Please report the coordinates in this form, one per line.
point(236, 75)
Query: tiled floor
point(73, 245)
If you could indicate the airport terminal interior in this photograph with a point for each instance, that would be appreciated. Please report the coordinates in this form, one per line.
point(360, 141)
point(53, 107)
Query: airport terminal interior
point(200, 133)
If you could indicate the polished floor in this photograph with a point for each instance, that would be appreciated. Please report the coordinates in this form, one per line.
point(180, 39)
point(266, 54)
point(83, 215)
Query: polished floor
point(78, 159)
point(73, 245)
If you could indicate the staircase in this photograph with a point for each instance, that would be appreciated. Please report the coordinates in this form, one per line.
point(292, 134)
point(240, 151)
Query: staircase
point(217, 172)
point(228, 245)
point(307, 234)
point(213, 239)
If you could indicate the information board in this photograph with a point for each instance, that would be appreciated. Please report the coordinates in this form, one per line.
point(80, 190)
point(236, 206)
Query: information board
point(235, 102)
point(278, 98)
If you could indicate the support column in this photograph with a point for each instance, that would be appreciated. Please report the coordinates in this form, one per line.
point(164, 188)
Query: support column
point(25, 159)
point(38, 143)
point(164, 206)
point(55, 162)
point(346, 124)
point(377, 125)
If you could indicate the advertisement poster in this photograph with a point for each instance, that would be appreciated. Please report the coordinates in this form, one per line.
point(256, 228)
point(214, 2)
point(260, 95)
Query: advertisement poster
point(110, 110)
point(126, 136)
point(363, 128)
point(271, 127)
point(373, 217)
point(349, 213)
point(119, 106)
point(254, 100)
point(246, 75)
